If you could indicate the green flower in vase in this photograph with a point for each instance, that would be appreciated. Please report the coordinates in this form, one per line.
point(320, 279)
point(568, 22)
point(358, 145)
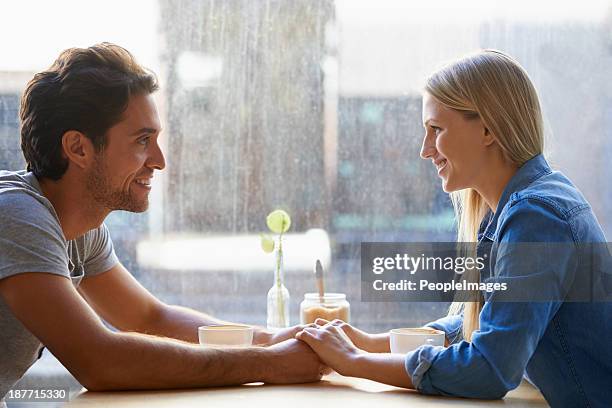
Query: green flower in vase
point(278, 222)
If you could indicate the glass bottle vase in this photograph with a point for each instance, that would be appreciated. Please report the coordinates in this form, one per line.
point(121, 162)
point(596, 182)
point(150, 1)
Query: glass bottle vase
point(278, 297)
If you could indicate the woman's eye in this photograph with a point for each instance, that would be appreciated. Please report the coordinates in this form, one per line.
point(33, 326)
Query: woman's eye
point(435, 129)
point(144, 141)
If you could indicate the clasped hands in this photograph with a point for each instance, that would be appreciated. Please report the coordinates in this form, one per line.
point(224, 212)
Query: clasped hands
point(337, 343)
point(340, 345)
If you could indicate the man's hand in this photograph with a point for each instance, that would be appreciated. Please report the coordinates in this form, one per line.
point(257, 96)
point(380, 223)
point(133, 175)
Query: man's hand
point(263, 337)
point(292, 361)
point(372, 343)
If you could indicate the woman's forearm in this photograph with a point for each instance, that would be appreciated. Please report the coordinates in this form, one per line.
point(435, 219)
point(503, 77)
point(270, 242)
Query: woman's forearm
point(379, 343)
point(382, 367)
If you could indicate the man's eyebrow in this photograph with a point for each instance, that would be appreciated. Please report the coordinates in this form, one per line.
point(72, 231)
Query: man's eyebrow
point(145, 130)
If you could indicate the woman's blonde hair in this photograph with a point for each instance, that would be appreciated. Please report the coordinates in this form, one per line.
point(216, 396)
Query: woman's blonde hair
point(494, 87)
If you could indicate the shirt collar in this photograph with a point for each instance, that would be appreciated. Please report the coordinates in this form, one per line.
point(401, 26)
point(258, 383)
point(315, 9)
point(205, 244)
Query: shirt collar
point(530, 171)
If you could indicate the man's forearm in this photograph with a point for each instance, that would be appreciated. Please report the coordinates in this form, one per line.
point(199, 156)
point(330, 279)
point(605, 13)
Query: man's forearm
point(134, 361)
point(179, 322)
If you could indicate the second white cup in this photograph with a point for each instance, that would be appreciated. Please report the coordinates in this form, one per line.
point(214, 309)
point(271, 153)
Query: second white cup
point(407, 339)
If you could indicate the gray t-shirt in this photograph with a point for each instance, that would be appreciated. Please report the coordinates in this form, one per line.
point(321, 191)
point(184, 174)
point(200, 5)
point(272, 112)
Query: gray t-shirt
point(32, 240)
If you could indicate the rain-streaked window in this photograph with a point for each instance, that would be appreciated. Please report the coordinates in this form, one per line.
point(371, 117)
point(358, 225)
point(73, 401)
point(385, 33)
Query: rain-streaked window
point(312, 106)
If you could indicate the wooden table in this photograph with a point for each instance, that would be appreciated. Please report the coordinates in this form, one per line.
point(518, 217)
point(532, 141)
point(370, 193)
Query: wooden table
point(334, 390)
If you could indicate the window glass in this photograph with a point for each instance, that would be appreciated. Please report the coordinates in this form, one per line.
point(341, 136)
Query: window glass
point(312, 106)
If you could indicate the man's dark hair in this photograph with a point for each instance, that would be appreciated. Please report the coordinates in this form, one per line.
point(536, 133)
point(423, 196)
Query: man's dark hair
point(86, 89)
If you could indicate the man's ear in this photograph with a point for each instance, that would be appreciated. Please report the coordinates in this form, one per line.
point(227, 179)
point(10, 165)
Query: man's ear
point(488, 138)
point(77, 148)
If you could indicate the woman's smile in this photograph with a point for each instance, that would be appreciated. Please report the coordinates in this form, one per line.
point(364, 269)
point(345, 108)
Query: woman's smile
point(440, 165)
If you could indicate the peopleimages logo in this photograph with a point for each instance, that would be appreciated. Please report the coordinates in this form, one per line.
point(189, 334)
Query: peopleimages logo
point(411, 264)
point(424, 284)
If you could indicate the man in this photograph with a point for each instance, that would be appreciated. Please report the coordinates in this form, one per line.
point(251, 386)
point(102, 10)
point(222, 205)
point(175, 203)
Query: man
point(89, 135)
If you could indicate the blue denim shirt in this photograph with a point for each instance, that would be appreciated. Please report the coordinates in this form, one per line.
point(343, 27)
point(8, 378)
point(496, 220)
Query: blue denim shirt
point(564, 348)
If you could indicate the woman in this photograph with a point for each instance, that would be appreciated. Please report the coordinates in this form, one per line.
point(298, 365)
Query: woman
point(484, 134)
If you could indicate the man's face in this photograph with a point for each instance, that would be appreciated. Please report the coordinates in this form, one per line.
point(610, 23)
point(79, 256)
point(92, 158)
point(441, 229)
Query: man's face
point(120, 178)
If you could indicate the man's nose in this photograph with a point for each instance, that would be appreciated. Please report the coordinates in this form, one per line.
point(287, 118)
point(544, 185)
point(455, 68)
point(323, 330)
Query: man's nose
point(156, 159)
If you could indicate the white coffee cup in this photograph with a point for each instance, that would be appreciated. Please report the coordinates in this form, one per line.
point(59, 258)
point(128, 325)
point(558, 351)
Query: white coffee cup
point(407, 339)
point(233, 335)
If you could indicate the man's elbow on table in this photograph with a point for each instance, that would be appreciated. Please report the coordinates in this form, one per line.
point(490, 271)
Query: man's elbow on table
point(99, 368)
point(94, 382)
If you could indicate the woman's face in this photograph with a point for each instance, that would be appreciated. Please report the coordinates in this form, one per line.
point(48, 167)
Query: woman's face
point(455, 145)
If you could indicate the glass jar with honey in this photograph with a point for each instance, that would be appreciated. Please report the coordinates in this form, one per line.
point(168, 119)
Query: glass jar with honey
point(329, 307)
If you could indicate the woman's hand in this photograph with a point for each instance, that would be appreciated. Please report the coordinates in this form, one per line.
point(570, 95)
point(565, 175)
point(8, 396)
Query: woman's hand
point(262, 337)
point(338, 352)
point(372, 343)
point(333, 346)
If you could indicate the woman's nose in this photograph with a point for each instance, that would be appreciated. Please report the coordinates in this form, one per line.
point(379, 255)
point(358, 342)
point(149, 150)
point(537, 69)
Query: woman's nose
point(428, 149)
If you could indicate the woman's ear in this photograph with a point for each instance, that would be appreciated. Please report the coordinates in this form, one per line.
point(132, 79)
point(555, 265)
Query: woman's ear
point(488, 137)
point(77, 148)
